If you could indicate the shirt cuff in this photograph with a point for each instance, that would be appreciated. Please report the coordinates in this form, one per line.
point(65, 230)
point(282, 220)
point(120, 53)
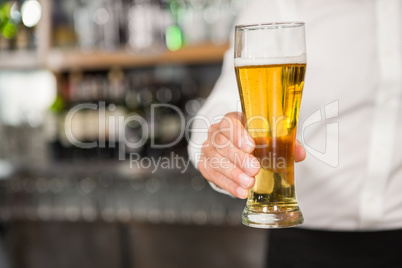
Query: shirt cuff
point(220, 190)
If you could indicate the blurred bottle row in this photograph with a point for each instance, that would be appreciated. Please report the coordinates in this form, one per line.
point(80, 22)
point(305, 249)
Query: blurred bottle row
point(18, 19)
point(159, 198)
point(117, 93)
point(142, 26)
point(92, 107)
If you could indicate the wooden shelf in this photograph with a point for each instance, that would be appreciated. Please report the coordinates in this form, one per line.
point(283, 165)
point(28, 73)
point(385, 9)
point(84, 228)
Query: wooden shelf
point(57, 59)
point(19, 60)
point(64, 60)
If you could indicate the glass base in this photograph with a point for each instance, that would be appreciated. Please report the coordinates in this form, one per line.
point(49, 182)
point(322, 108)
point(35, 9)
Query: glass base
point(272, 219)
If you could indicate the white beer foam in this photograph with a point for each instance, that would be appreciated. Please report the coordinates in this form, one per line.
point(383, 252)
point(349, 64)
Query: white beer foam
point(239, 62)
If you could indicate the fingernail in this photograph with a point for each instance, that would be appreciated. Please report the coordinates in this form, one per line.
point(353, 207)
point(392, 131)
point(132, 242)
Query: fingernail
point(298, 142)
point(242, 193)
point(245, 180)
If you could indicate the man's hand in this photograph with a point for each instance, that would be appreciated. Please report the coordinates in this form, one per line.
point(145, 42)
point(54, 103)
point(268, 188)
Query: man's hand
point(226, 158)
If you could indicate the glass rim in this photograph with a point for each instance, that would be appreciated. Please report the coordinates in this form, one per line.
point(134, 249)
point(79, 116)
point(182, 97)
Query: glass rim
point(269, 25)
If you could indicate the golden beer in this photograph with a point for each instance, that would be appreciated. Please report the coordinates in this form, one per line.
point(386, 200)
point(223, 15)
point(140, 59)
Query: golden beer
point(271, 95)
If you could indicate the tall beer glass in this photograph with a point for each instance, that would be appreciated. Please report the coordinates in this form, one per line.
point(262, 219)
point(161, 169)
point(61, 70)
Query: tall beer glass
point(270, 62)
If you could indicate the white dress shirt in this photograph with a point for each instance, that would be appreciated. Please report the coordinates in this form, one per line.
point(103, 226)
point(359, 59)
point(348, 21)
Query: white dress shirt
point(342, 81)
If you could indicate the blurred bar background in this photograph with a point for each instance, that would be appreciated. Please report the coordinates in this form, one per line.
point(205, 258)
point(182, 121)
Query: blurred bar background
point(65, 206)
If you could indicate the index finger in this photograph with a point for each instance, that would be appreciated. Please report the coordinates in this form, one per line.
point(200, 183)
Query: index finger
point(232, 127)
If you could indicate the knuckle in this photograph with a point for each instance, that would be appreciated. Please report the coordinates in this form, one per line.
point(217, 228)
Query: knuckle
point(235, 115)
point(213, 133)
point(214, 137)
point(226, 122)
point(212, 128)
point(214, 154)
point(232, 114)
point(221, 141)
point(207, 152)
point(211, 155)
